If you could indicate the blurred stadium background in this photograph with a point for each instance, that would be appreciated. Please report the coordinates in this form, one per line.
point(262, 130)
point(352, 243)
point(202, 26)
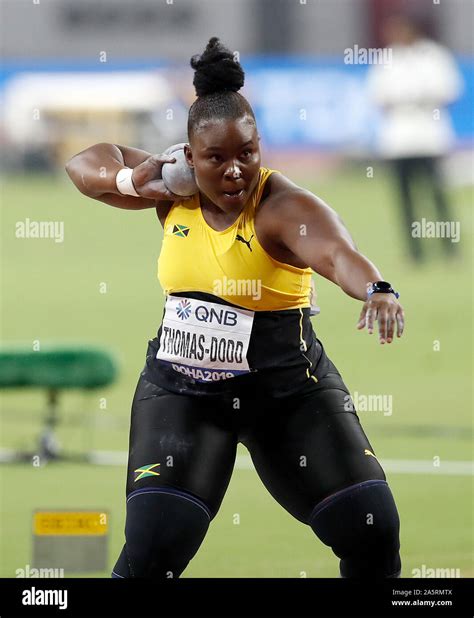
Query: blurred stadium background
point(78, 73)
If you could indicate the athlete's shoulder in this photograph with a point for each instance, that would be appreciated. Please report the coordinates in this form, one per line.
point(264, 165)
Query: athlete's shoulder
point(163, 208)
point(287, 203)
point(281, 183)
point(281, 193)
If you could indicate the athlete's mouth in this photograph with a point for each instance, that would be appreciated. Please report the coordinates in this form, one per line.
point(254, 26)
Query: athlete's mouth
point(238, 193)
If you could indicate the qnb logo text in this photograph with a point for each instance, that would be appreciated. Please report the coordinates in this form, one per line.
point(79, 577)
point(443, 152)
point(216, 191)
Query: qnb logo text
point(225, 317)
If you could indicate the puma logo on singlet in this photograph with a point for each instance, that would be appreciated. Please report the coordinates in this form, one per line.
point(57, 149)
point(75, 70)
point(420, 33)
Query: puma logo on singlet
point(247, 242)
point(367, 452)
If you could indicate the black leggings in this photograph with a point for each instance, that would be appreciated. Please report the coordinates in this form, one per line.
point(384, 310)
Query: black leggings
point(309, 449)
point(304, 447)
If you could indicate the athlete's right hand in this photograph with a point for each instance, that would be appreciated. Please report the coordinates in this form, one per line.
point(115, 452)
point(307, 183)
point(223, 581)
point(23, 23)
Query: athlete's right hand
point(147, 181)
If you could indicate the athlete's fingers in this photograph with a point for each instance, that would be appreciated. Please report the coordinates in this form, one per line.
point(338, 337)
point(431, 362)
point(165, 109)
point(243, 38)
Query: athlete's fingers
point(370, 317)
point(391, 326)
point(382, 320)
point(150, 169)
point(400, 322)
point(156, 189)
point(158, 160)
point(361, 322)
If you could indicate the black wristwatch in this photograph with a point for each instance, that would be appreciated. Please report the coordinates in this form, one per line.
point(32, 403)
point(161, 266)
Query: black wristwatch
point(381, 287)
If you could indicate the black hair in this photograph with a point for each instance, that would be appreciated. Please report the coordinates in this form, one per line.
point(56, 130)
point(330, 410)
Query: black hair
point(218, 77)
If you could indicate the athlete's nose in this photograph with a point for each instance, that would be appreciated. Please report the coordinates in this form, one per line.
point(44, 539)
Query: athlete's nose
point(233, 172)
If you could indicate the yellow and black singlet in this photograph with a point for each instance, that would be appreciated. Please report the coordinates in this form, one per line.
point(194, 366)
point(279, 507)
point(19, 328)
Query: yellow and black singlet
point(233, 315)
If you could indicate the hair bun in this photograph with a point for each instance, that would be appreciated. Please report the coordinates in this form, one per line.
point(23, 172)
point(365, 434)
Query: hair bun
point(216, 70)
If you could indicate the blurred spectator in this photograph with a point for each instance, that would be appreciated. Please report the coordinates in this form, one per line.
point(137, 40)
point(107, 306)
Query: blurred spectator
point(413, 92)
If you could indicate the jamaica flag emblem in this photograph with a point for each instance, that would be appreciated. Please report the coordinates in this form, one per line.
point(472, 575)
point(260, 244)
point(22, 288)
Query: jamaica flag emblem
point(180, 230)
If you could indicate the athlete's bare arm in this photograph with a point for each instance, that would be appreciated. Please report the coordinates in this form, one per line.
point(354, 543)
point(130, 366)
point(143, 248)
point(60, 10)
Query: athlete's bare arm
point(93, 171)
point(316, 235)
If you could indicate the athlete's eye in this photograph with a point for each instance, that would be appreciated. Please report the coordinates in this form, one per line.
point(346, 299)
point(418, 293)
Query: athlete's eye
point(216, 158)
point(246, 154)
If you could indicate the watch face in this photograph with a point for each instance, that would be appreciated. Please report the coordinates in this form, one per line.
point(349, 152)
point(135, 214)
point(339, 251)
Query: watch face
point(382, 285)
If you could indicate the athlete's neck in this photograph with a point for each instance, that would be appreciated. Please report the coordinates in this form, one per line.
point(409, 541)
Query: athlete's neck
point(216, 212)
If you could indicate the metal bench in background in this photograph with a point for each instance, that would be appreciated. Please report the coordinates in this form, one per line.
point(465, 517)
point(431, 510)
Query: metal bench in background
point(54, 369)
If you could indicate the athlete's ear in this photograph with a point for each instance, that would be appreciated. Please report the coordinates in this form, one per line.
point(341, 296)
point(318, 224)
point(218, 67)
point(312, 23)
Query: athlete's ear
point(188, 155)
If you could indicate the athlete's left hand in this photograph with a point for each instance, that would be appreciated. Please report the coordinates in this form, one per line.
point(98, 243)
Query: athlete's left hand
point(386, 309)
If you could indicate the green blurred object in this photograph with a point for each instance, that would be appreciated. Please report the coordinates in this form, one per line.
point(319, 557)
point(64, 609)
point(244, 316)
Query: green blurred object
point(55, 368)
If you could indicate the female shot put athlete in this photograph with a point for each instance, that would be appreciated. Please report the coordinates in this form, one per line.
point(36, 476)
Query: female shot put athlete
point(236, 358)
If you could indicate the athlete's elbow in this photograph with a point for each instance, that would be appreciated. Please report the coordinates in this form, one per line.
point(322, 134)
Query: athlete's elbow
point(69, 166)
point(75, 169)
point(72, 170)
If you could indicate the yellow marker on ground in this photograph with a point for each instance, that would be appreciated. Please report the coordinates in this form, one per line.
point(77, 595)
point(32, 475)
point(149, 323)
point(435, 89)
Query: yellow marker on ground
point(70, 523)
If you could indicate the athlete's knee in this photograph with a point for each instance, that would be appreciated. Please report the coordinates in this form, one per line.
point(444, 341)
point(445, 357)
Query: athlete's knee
point(163, 531)
point(361, 525)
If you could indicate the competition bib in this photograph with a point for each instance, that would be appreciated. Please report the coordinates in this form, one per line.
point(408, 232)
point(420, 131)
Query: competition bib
point(206, 341)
